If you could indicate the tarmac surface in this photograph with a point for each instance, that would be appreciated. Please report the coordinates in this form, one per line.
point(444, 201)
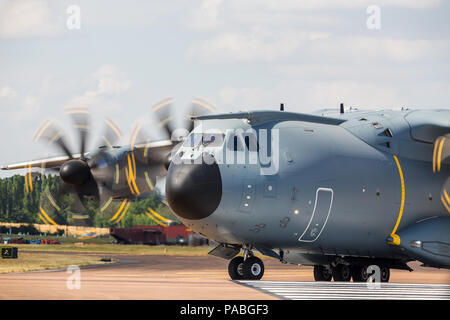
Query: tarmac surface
point(203, 278)
point(351, 290)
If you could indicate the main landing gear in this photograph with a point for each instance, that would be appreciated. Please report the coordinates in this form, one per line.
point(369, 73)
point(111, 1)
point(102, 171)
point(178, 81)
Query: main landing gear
point(248, 268)
point(345, 273)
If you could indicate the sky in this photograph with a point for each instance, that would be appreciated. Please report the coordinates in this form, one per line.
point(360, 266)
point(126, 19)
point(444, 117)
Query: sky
point(118, 58)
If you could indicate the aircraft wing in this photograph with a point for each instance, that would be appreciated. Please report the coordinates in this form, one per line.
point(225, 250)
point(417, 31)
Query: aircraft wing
point(52, 162)
point(153, 155)
point(258, 117)
point(429, 125)
point(430, 130)
point(153, 152)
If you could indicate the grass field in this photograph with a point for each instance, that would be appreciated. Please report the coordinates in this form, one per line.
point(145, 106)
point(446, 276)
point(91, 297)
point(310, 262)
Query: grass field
point(116, 249)
point(42, 257)
point(97, 240)
point(104, 245)
point(30, 261)
point(34, 257)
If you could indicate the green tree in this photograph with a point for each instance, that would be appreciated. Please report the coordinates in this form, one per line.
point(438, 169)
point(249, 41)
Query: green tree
point(19, 204)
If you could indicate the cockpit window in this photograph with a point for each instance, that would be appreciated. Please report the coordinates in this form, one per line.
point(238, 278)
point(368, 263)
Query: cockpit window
point(193, 140)
point(239, 142)
point(206, 139)
point(234, 143)
point(212, 139)
point(251, 142)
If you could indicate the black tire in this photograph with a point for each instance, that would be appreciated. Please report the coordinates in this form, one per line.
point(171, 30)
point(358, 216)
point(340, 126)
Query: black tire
point(385, 274)
point(342, 273)
point(253, 268)
point(359, 274)
point(322, 273)
point(235, 268)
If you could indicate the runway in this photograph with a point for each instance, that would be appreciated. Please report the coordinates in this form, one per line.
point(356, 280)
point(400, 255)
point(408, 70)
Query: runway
point(349, 291)
point(206, 278)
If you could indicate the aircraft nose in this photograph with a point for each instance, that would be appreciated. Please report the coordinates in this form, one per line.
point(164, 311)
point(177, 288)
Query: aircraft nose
point(194, 190)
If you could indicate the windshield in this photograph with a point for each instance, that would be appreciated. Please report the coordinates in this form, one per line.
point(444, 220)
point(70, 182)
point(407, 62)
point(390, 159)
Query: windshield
point(212, 139)
point(206, 139)
point(193, 140)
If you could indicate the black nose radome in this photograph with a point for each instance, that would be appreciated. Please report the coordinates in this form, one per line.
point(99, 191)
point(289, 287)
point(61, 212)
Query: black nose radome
point(193, 190)
point(75, 172)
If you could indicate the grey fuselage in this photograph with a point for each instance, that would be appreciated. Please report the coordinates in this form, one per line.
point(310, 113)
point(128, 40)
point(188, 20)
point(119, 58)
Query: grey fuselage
point(338, 189)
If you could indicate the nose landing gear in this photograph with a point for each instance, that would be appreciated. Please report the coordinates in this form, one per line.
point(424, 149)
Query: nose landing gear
point(253, 268)
point(248, 267)
point(235, 268)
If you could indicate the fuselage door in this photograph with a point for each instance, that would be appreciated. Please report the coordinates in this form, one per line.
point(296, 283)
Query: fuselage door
point(320, 215)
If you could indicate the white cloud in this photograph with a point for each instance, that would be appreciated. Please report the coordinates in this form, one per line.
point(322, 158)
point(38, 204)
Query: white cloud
point(110, 83)
point(210, 15)
point(240, 99)
point(289, 5)
point(27, 18)
point(307, 96)
point(7, 92)
point(134, 14)
point(258, 45)
point(372, 95)
point(207, 15)
point(363, 48)
point(359, 94)
point(31, 105)
point(16, 106)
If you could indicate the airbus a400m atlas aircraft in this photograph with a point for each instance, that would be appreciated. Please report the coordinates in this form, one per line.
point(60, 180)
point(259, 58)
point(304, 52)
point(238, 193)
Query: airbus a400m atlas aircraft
point(336, 190)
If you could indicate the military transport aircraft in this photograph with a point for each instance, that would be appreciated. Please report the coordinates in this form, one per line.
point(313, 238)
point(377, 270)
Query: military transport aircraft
point(337, 189)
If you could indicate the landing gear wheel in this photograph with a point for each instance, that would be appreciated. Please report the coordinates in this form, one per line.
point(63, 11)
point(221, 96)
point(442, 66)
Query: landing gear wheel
point(359, 274)
point(235, 268)
point(342, 273)
point(385, 274)
point(322, 273)
point(253, 268)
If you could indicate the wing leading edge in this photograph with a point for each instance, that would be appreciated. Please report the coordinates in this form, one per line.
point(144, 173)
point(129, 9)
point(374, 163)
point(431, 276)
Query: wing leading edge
point(52, 162)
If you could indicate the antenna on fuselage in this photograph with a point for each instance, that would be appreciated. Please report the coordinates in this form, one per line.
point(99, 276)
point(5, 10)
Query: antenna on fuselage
point(342, 108)
point(281, 106)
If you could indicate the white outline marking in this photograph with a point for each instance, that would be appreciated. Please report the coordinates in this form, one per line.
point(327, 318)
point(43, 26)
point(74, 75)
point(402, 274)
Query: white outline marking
point(314, 212)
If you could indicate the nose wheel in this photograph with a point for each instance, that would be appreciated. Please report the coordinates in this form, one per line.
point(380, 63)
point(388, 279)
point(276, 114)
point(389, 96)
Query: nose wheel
point(235, 268)
point(250, 269)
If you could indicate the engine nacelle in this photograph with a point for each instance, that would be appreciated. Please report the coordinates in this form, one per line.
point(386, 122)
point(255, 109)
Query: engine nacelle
point(428, 241)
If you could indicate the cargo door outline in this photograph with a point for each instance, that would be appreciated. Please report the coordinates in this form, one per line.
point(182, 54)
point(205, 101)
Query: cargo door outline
point(318, 216)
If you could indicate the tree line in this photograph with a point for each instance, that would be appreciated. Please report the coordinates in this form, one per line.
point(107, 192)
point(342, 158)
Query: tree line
point(19, 204)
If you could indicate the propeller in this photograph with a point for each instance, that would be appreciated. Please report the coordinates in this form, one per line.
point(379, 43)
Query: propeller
point(151, 165)
point(77, 192)
point(441, 160)
point(105, 180)
point(149, 161)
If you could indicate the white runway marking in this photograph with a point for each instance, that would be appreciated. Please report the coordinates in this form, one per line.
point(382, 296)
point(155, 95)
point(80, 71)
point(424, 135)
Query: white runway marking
point(350, 290)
